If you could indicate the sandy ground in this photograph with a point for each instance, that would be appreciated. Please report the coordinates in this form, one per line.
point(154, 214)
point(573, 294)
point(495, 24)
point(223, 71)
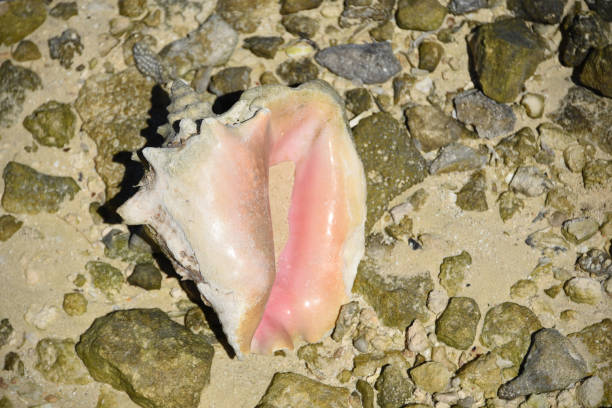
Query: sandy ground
point(38, 264)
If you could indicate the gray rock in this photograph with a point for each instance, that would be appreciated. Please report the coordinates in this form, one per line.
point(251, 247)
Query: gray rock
point(14, 82)
point(432, 128)
point(540, 11)
point(65, 46)
point(552, 364)
point(149, 63)
point(302, 26)
point(295, 72)
point(359, 11)
point(602, 7)
point(596, 261)
point(145, 276)
point(457, 157)
point(530, 181)
point(211, 44)
point(230, 80)
point(489, 118)
point(394, 387)
point(581, 32)
point(265, 47)
point(466, 6)
point(118, 245)
point(369, 63)
point(590, 392)
point(159, 363)
point(457, 325)
point(294, 390)
point(547, 240)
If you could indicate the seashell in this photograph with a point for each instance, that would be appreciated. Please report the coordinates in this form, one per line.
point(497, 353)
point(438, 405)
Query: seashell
point(207, 200)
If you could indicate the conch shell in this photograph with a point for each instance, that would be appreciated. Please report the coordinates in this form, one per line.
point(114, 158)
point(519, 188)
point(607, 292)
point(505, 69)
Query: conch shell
point(205, 195)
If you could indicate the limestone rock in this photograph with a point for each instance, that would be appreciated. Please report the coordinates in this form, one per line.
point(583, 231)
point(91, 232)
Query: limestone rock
point(582, 32)
point(431, 376)
point(540, 11)
point(293, 6)
point(20, 18)
point(394, 387)
point(106, 278)
point(472, 196)
point(578, 230)
point(294, 390)
point(420, 15)
point(295, 72)
point(74, 304)
point(14, 82)
point(491, 119)
point(58, 362)
point(457, 324)
point(452, 272)
point(265, 47)
point(358, 100)
point(228, 80)
point(146, 276)
point(9, 225)
point(530, 181)
point(432, 128)
point(246, 15)
point(583, 290)
point(484, 373)
point(457, 157)
point(52, 124)
point(26, 50)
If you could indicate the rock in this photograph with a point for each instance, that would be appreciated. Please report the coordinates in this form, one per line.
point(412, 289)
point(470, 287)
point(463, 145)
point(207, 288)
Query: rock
point(507, 330)
point(523, 288)
point(509, 204)
point(14, 82)
point(383, 32)
point(9, 225)
point(583, 290)
point(602, 7)
point(457, 324)
point(358, 100)
point(490, 118)
point(484, 373)
point(596, 72)
point(369, 63)
point(420, 15)
point(12, 362)
point(457, 157)
point(367, 393)
point(114, 110)
point(472, 196)
point(582, 32)
point(106, 278)
point(432, 128)
point(290, 389)
point(52, 124)
point(359, 11)
point(268, 78)
point(517, 148)
point(347, 321)
point(530, 181)
point(587, 116)
point(533, 104)
point(265, 47)
point(394, 387)
point(431, 377)
point(578, 230)
point(547, 240)
point(558, 199)
point(293, 6)
point(402, 85)
point(27, 191)
point(19, 18)
point(196, 321)
point(295, 72)
point(26, 50)
point(64, 46)
point(539, 11)
point(118, 245)
point(430, 53)
point(400, 231)
point(575, 158)
point(595, 261)
point(146, 276)
point(132, 8)
point(6, 329)
point(74, 304)
point(58, 362)
point(397, 301)
point(597, 173)
point(366, 365)
point(594, 342)
point(302, 26)
point(64, 10)
point(129, 349)
point(390, 159)
point(590, 392)
point(505, 54)
point(230, 80)
point(5, 402)
point(466, 6)
point(552, 364)
point(245, 15)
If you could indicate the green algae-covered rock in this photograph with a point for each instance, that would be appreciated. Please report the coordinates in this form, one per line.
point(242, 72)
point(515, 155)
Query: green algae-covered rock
point(302, 26)
point(457, 325)
point(132, 8)
point(507, 330)
point(505, 54)
point(14, 82)
point(365, 365)
point(472, 196)
point(9, 225)
point(394, 387)
point(358, 100)
point(117, 245)
point(146, 276)
point(294, 390)
point(596, 71)
point(106, 278)
point(594, 343)
point(64, 10)
point(19, 18)
point(583, 290)
point(452, 272)
point(401, 230)
point(196, 321)
point(421, 15)
point(582, 32)
point(597, 173)
point(114, 110)
point(26, 50)
point(430, 54)
point(396, 300)
point(158, 362)
point(293, 6)
point(390, 159)
point(523, 288)
point(482, 373)
point(27, 191)
point(74, 304)
point(58, 362)
point(5, 402)
point(431, 376)
point(367, 393)
point(52, 124)
point(265, 47)
point(509, 204)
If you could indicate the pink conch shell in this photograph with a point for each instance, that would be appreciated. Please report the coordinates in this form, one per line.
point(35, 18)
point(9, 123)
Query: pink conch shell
point(207, 200)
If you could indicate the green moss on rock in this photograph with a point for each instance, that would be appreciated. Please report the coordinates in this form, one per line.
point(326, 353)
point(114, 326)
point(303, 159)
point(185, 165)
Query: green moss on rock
point(9, 225)
point(52, 124)
point(472, 196)
point(457, 325)
point(117, 245)
point(14, 82)
point(394, 387)
point(27, 191)
point(26, 50)
point(421, 15)
point(431, 376)
point(58, 362)
point(482, 373)
point(105, 277)
point(74, 304)
point(19, 18)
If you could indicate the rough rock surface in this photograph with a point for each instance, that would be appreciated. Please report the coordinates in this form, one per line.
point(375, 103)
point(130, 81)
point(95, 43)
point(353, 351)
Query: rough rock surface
point(20, 18)
point(457, 324)
point(58, 362)
point(540, 11)
point(596, 71)
point(245, 15)
point(159, 363)
point(9, 225)
point(432, 128)
point(14, 82)
point(581, 33)
point(457, 157)
point(421, 15)
point(490, 118)
point(483, 373)
point(452, 272)
point(294, 390)
point(394, 387)
point(52, 124)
